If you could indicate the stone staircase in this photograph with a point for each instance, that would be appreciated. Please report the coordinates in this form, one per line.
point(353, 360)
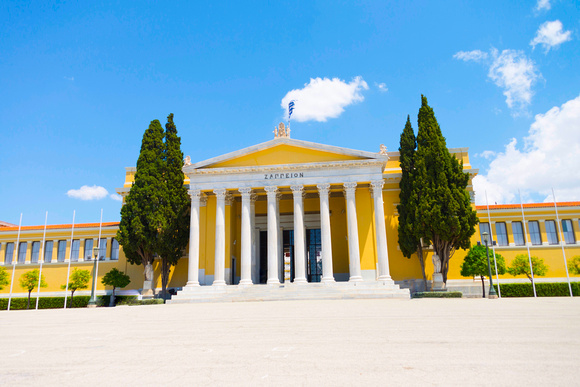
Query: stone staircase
point(291, 291)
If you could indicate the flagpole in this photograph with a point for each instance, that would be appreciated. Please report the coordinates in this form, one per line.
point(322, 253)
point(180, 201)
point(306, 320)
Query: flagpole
point(72, 233)
point(562, 242)
point(527, 244)
point(492, 246)
point(97, 263)
point(41, 259)
point(14, 260)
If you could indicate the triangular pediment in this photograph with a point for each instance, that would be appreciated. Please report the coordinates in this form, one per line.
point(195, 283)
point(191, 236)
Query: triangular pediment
point(283, 151)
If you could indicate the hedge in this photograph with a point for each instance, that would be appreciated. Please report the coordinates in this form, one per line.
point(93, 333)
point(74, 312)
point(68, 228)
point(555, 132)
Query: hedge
point(437, 295)
point(543, 289)
point(58, 302)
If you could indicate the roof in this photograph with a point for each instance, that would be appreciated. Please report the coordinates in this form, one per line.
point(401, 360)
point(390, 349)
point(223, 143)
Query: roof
point(60, 226)
point(528, 205)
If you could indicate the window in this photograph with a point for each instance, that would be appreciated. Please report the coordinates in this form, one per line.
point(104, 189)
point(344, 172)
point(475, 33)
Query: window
point(61, 252)
point(103, 248)
point(48, 251)
point(35, 252)
point(114, 249)
point(484, 227)
point(518, 233)
point(22, 252)
point(75, 247)
point(551, 232)
point(88, 249)
point(568, 229)
point(8, 255)
point(501, 234)
point(535, 235)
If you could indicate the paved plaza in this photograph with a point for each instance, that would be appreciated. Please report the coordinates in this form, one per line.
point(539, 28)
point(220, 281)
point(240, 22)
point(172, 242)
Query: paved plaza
point(446, 342)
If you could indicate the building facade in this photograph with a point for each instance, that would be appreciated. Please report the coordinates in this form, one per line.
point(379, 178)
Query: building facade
point(291, 211)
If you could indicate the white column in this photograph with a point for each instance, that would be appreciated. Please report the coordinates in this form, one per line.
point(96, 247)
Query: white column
point(193, 266)
point(299, 235)
point(353, 247)
point(271, 192)
point(327, 274)
point(220, 237)
point(255, 266)
point(382, 252)
point(246, 244)
point(280, 240)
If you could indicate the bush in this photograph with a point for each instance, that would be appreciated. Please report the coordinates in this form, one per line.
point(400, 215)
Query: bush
point(437, 295)
point(543, 289)
point(135, 301)
point(58, 302)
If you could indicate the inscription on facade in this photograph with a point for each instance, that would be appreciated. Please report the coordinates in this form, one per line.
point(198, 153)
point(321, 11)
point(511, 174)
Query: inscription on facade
point(289, 175)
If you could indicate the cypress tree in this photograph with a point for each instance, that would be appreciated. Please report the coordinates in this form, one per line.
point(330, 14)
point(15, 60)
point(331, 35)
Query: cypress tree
point(143, 214)
point(444, 213)
point(174, 235)
point(409, 232)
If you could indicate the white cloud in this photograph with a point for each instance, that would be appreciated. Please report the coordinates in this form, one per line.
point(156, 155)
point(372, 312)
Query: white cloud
point(116, 197)
point(475, 55)
point(70, 78)
point(543, 5)
point(324, 98)
point(516, 74)
point(88, 193)
point(382, 87)
point(550, 35)
point(549, 158)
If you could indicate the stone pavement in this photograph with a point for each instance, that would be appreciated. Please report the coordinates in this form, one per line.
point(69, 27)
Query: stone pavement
point(382, 342)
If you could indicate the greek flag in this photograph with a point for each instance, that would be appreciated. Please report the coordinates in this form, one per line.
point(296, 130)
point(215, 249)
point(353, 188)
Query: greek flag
point(290, 109)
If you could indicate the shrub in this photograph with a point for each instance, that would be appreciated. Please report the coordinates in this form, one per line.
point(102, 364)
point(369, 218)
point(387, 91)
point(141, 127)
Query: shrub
point(437, 295)
point(573, 265)
point(543, 289)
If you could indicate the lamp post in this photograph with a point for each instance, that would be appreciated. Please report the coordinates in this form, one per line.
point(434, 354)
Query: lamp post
point(492, 293)
point(93, 301)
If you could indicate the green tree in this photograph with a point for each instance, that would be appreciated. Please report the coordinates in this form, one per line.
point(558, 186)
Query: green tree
point(116, 279)
point(444, 214)
point(521, 265)
point(573, 265)
point(409, 236)
point(475, 264)
point(174, 234)
point(79, 279)
point(4, 278)
point(29, 281)
point(143, 214)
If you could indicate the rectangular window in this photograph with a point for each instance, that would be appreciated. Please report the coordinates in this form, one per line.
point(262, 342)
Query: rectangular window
point(484, 227)
point(8, 255)
point(518, 233)
point(48, 251)
point(501, 234)
point(114, 249)
point(88, 249)
point(22, 252)
point(61, 252)
point(103, 248)
point(568, 229)
point(35, 252)
point(551, 232)
point(535, 235)
point(75, 248)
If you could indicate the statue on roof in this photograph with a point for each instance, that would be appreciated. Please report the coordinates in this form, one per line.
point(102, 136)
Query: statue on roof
point(383, 150)
point(282, 131)
point(187, 161)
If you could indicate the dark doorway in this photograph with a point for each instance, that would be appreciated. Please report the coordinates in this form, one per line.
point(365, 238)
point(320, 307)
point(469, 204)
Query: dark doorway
point(263, 257)
point(314, 256)
point(288, 251)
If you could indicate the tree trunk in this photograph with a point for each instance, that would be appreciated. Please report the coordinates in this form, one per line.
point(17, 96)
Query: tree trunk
point(165, 268)
point(72, 294)
point(422, 262)
point(28, 305)
point(112, 301)
point(482, 286)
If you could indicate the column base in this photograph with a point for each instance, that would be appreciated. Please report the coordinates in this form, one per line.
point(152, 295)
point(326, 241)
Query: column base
point(300, 281)
point(273, 281)
point(385, 278)
point(245, 282)
point(328, 280)
point(219, 283)
point(355, 278)
point(191, 284)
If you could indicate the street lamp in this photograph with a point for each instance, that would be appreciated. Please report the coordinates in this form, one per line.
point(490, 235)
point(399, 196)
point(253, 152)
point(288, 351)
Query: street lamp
point(492, 293)
point(93, 301)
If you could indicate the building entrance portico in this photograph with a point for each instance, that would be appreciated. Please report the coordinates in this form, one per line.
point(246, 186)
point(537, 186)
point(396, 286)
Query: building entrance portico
point(285, 211)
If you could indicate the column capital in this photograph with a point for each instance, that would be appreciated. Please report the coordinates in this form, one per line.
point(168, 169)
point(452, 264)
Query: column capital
point(220, 193)
point(271, 190)
point(349, 188)
point(323, 188)
point(195, 194)
point(377, 186)
point(297, 189)
point(246, 192)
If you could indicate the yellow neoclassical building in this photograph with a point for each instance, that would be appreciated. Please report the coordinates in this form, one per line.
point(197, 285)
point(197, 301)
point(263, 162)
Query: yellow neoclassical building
point(287, 213)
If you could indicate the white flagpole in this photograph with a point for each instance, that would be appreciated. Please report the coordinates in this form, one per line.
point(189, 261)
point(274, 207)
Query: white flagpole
point(99, 245)
point(527, 244)
point(16, 249)
point(492, 246)
point(562, 243)
point(41, 259)
point(72, 233)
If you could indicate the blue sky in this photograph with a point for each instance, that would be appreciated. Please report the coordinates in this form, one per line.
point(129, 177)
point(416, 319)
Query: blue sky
point(81, 81)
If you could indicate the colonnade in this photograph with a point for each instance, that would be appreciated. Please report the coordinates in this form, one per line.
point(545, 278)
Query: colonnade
point(272, 194)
